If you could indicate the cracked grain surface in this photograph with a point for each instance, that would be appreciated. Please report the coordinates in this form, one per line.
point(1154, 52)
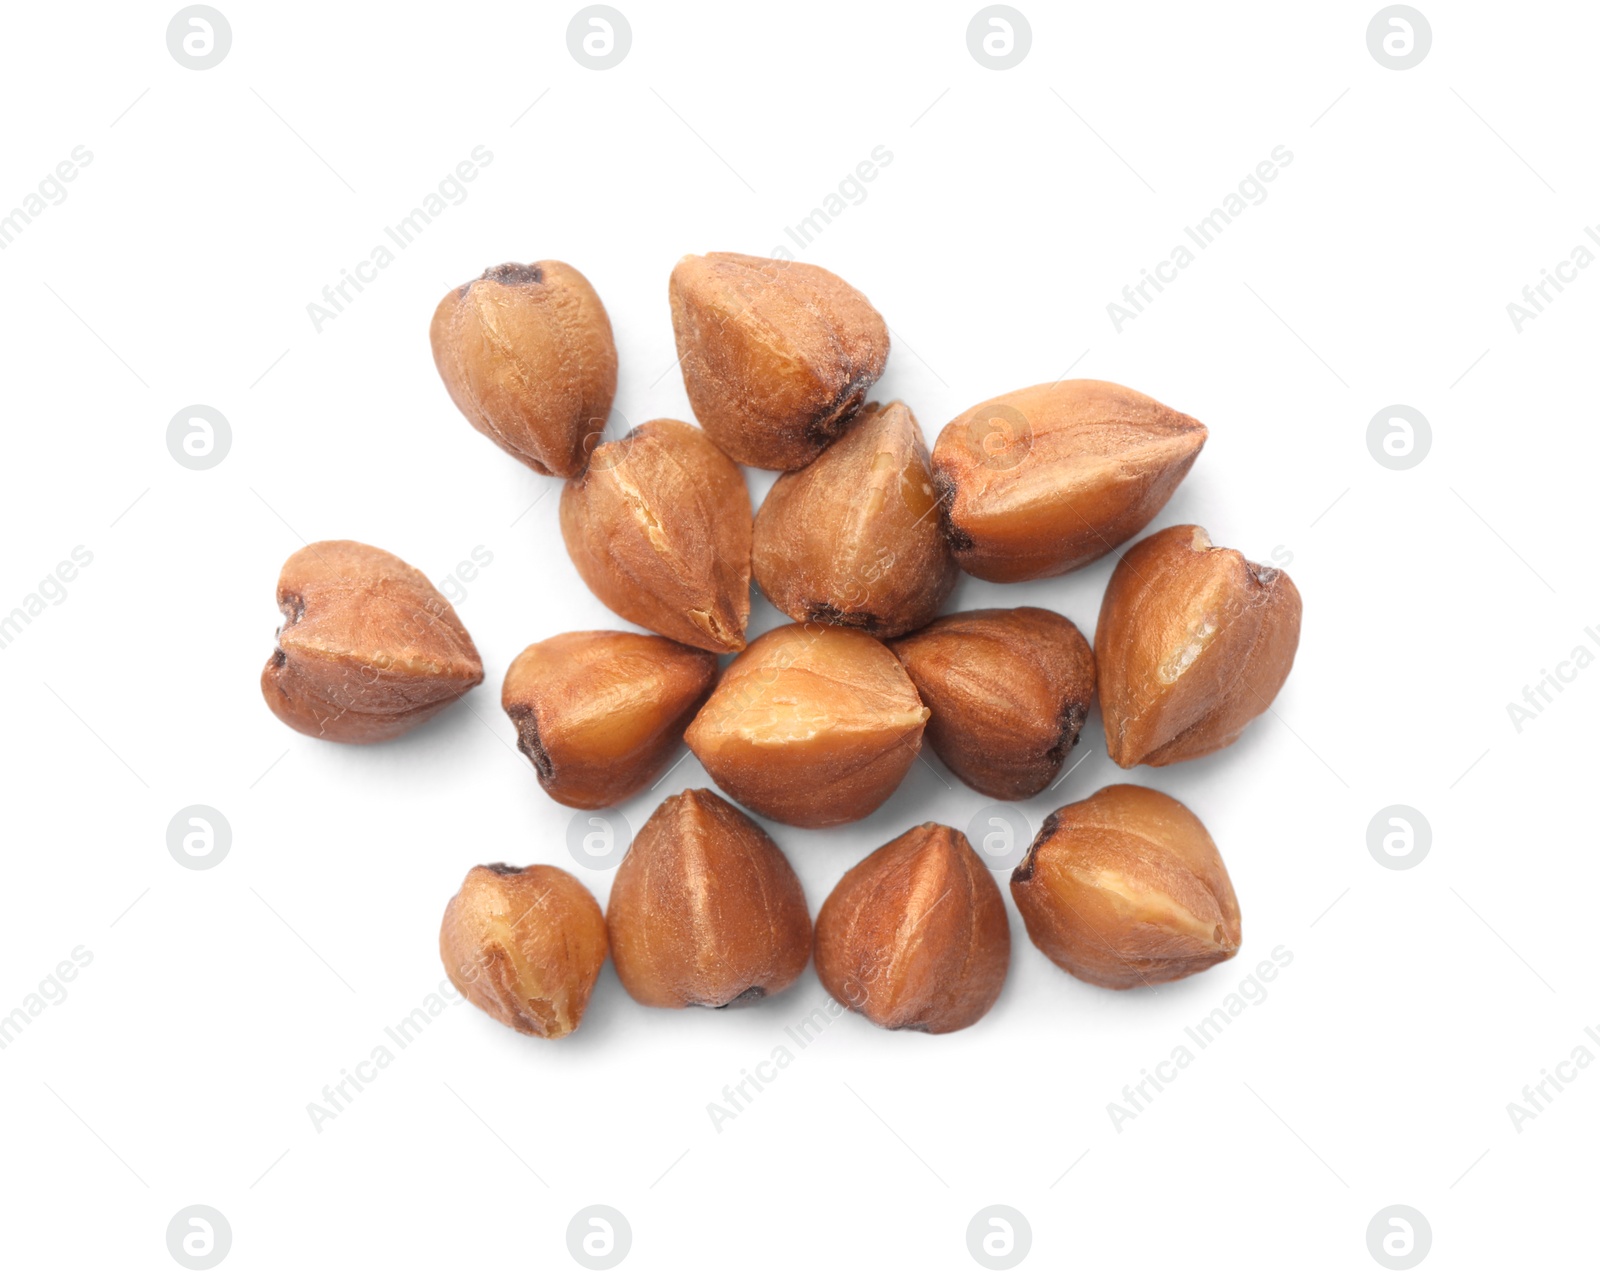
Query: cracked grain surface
point(1194, 643)
point(854, 538)
point(368, 648)
point(1040, 481)
point(705, 910)
point(659, 529)
point(527, 355)
point(1008, 689)
point(915, 936)
point(777, 356)
point(525, 946)
point(600, 713)
point(813, 725)
point(1126, 888)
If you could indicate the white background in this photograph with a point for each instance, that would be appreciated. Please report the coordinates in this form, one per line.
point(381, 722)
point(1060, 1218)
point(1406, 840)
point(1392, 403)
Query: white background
point(1018, 203)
